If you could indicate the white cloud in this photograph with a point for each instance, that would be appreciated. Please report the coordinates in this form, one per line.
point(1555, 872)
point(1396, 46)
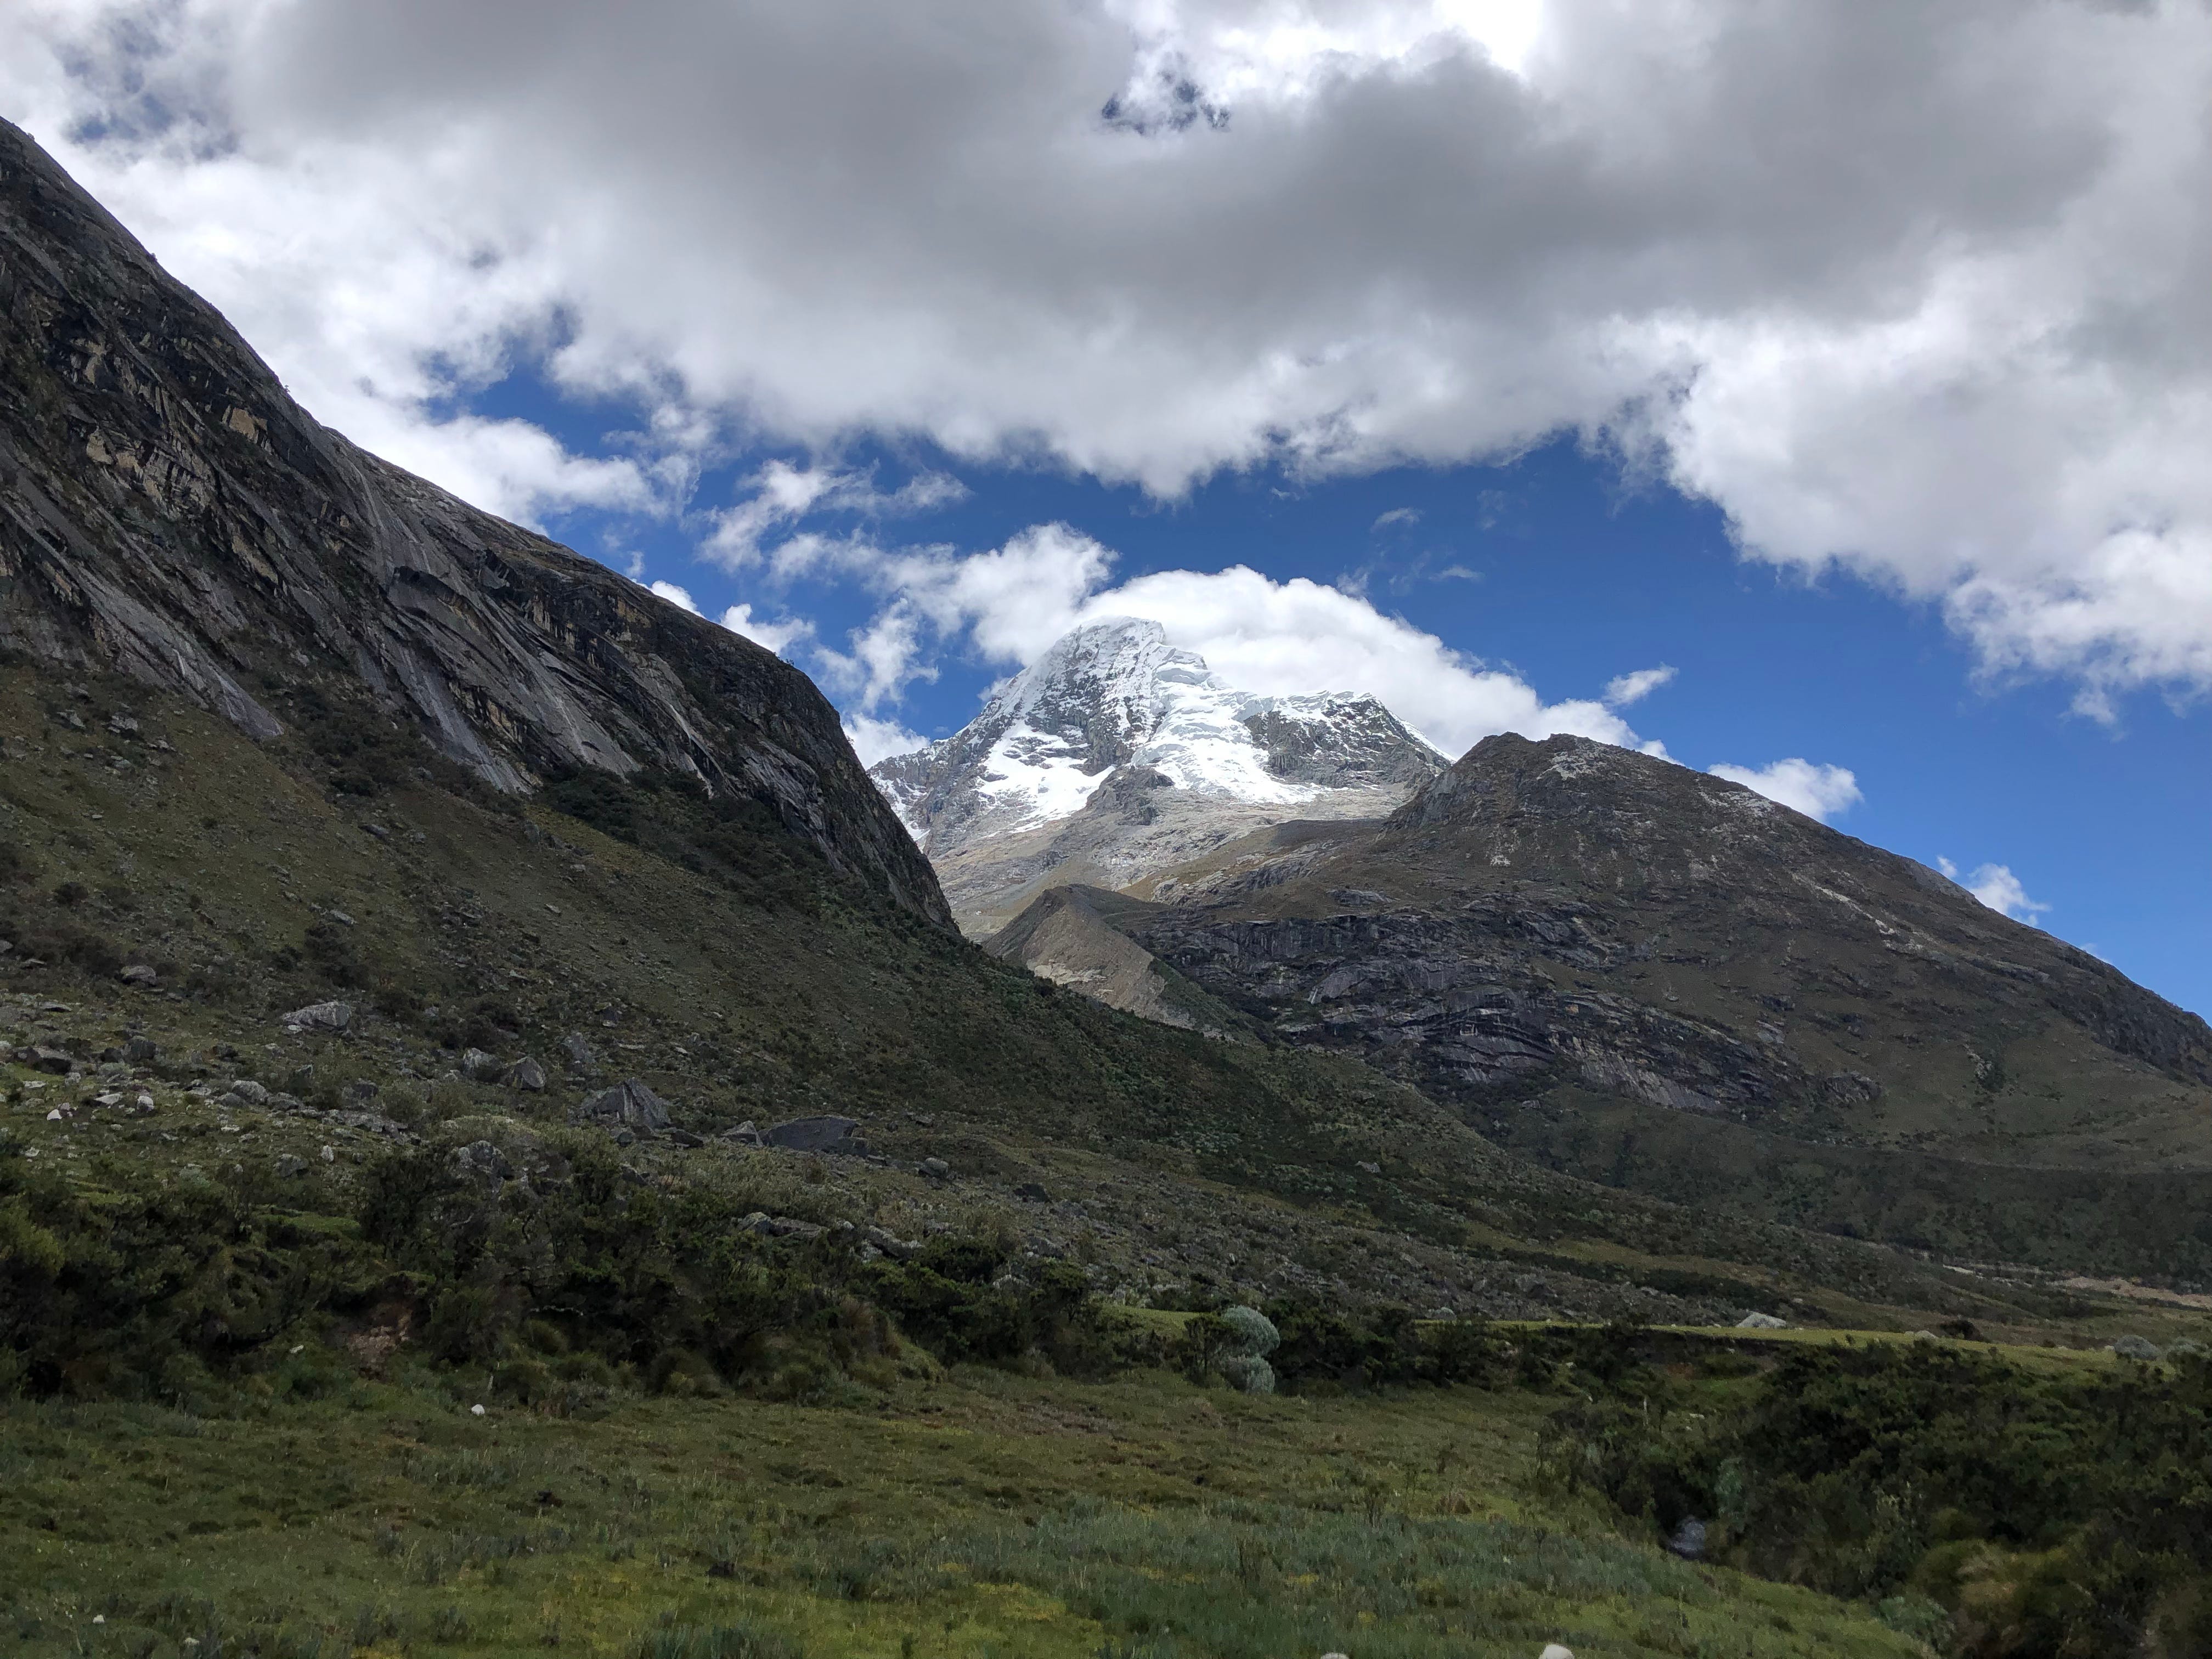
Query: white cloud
point(1817, 792)
point(678, 597)
point(1926, 290)
point(873, 739)
point(777, 636)
point(1995, 885)
point(1272, 637)
point(1634, 687)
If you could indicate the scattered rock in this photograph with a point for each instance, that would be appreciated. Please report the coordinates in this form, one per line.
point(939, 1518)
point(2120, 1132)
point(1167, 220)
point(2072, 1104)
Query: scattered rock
point(1760, 1321)
point(936, 1169)
point(815, 1134)
point(1444, 1316)
point(340, 917)
point(321, 1016)
point(377, 830)
point(576, 1052)
point(479, 1160)
point(1689, 1539)
point(1033, 1192)
point(291, 1167)
point(899, 1249)
point(684, 1137)
point(140, 976)
point(628, 1105)
point(141, 1051)
point(60, 1114)
point(145, 1106)
point(745, 1134)
point(329, 1154)
point(248, 1093)
point(2133, 1347)
point(53, 1061)
point(361, 1091)
point(481, 1066)
point(1370, 1169)
point(525, 1074)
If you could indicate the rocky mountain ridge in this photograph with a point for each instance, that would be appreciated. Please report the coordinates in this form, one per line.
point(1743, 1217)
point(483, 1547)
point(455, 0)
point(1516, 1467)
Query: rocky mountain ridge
point(1115, 755)
point(168, 512)
point(1658, 979)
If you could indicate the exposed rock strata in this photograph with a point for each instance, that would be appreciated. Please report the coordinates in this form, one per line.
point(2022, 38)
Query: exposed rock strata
point(167, 511)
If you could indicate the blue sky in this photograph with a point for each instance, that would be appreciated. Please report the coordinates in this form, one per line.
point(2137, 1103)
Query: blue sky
point(1561, 569)
point(1854, 362)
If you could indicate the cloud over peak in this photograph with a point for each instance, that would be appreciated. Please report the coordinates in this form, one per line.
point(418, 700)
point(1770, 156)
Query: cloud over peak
point(1923, 290)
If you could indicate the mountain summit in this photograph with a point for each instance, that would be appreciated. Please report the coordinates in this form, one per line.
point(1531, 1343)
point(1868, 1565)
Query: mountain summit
point(1115, 755)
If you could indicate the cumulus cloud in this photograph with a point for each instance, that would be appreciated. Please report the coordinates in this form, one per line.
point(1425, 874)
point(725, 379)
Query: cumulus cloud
point(1924, 291)
point(1275, 638)
point(1995, 885)
point(777, 636)
point(1817, 792)
point(875, 739)
point(1634, 687)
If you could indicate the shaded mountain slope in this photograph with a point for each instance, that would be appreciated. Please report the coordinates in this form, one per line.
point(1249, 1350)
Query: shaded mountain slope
point(167, 511)
point(1654, 977)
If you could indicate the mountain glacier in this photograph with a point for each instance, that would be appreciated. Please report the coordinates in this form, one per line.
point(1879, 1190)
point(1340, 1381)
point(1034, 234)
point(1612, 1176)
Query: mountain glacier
point(1116, 755)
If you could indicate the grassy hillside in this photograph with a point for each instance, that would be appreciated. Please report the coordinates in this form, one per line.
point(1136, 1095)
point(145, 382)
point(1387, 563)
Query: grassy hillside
point(716, 959)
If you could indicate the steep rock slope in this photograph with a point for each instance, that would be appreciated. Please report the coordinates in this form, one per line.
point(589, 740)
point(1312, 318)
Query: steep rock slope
point(1661, 980)
point(167, 511)
point(1116, 755)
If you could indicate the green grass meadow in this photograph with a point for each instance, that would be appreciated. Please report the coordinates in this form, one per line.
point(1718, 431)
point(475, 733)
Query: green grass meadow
point(976, 1513)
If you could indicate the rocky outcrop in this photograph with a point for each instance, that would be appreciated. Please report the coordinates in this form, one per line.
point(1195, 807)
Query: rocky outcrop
point(169, 512)
point(1649, 976)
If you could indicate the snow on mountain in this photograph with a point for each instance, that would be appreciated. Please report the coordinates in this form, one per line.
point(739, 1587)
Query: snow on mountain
point(1116, 694)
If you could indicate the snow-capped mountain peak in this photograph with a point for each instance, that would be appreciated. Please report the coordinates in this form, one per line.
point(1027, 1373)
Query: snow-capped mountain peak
point(1116, 694)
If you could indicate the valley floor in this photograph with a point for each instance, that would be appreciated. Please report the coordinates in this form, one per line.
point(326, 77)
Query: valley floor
point(974, 1513)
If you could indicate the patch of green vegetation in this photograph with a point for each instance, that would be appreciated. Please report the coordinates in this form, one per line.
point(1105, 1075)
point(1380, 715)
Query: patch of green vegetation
point(2053, 1512)
point(974, 1514)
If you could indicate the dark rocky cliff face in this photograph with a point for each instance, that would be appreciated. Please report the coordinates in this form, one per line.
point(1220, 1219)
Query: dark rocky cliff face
point(167, 511)
point(1658, 979)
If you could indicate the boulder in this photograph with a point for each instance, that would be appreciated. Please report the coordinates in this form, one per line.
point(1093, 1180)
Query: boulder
point(525, 1074)
point(361, 1091)
point(1759, 1322)
point(899, 1249)
point(1688, 1541)
point(629, 1105)
point(479, 1160)
point(814, 1135)
point(745, 1134)
point(682, 1137)
point(321, 1016)
point(480, 1066)
point(291, 1167)
point(141, 1051)
point(248, 1093)
point(43, 1059)
point(936, 1169)
point(576, 1052)
point(139, 974)
point(144, 1106)
point(1033, 1192)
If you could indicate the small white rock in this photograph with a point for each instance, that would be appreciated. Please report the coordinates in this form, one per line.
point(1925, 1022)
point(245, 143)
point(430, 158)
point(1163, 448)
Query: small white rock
point(1553, 1650)
point(478, 1411)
